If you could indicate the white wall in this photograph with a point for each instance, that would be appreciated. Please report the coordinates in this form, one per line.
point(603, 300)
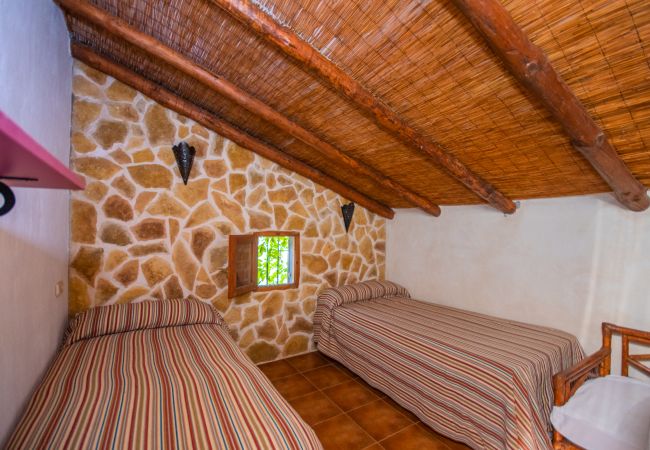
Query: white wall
point(35, 91)
point(570, 263)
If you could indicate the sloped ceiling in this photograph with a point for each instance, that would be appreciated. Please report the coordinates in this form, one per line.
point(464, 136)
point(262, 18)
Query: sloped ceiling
point(426, 61)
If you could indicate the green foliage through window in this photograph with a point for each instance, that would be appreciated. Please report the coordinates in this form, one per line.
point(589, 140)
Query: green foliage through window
point(274, 260)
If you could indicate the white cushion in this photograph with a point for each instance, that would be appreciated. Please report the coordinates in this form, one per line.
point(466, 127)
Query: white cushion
point(607, 413)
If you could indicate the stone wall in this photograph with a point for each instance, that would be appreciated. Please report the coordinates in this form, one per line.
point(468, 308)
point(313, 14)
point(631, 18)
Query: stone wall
point(137, 232)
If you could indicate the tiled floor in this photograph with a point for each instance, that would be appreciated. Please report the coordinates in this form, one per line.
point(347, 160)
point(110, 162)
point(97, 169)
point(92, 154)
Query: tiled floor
point(347, 413)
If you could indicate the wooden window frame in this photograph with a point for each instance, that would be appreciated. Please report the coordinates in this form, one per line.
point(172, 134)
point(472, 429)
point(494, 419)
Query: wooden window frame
point(238, 240)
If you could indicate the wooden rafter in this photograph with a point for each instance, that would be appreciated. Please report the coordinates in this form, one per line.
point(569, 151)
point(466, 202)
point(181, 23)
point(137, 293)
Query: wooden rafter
point(224, 128)
point(531, 67)
point(293, 46)
point(153, 47)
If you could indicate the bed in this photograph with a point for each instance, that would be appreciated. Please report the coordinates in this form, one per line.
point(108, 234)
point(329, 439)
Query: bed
point(480, 380)
point(156, 375)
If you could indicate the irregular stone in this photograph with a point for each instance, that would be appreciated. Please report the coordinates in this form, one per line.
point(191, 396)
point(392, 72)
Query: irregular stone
point(291, 311)
point(215, 168)
point(166, 155)
point(87, 262)
point(155, 270)
point(160, 129)
point(165, 205)
point(118, 208)
point(173, 288)
point(84, 113)
point(221, 186)
point(95, 75)
point(151, 176)
point(109, 133)
point(247, 339)
point(308, 306)
point(95, 191)
point(132, 294)
point(221, 302)
point(314, 263)
point(280, 213)
point(78, 298)
point(185, 265)
point(81, 144)
point(255, 196)
point(124, 186)
point(236, 181)
point(206, 291)
point(295, 345)
point(239, 157)
point(272, 305)
point(194, 192)
point(203, 276)
point(143, 156)
point(99, 168)
point(284, 195)
point(120, 157)
point(124, 112)
point(198, 129)
point(259, 221)
point(120, 92)
point(83, 222)
point(200, 146)
point(174, 227)
point(113, 233)
point(380, 246)
point(251, 315)
point(365, 247)
point(334, 258)
point(224, 228)
point(240, 197)
point(217, 258)
point(285, 181)
point(325, 227)
point(267, 330)
point(255, 178)
point(147, 249)
point(201, 214)
point(128, 273)
point(296, 223)
point(114, 259)
point(201, 238)
point(143, 200)
point(301, 324)
point(307, 196)
point(261, 351)
point(231, 210)
point(135, 143)
point(232, 316)
point(311, 231)
point(149, 229)
point(299, 209)
point(105, 291)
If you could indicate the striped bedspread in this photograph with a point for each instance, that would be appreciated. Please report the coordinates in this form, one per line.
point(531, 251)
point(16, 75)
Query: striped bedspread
point(156, 375)
point(478, 379)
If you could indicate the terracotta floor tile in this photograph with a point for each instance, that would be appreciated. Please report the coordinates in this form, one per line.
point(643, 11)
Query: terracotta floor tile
point(414, 437)
point(345, 370)
point(375, 446)
point(293, 386)
point(308, 361)
point(326, 376)
point(350, 395)
point(403, 410)
point(315, 407)
point(277, 369)
point(379, 419)
point(342, 433)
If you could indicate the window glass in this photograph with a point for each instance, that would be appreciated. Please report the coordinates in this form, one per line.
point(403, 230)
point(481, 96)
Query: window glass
point(274, 260)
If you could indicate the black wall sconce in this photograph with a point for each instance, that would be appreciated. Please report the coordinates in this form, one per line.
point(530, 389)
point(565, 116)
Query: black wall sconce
point(184, 154)
point(8, 199)
point(348, 212)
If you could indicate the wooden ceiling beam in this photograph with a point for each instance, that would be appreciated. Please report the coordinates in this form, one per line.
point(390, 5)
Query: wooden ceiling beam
point(175, 103)
point(152, 46)
point(530, 66)
point(292, 45)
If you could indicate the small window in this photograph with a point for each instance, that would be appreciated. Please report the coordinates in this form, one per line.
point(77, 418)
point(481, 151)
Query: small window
point(263, 261)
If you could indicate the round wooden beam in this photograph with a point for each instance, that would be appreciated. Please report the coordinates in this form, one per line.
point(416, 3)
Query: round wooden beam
point(152, 46)
point(293, 46)
point(224, 128)
point(529, 64)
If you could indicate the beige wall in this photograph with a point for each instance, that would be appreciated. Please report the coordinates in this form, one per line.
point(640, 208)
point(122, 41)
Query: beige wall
point(35, 69)
point(138, 232)
point(570, 263)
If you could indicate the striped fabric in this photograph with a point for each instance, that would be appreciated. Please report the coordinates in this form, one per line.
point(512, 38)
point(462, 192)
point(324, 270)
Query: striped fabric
point(139, 316)
point(478, 379)
point(174, 386)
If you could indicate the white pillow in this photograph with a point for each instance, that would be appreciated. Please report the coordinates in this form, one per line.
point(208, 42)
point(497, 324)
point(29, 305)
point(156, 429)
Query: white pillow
point(607, 413)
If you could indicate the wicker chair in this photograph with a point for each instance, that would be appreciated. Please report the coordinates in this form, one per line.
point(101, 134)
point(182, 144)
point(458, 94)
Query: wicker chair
point(566, 383)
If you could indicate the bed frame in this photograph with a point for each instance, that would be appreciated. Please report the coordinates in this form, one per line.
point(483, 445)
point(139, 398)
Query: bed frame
point(566, 383)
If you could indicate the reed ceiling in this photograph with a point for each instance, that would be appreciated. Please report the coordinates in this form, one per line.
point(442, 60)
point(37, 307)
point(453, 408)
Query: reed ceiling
point(426, 61)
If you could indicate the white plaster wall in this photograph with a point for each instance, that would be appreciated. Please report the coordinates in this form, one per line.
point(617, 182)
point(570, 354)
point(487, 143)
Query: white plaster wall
point(570, 263)
point(35, 91)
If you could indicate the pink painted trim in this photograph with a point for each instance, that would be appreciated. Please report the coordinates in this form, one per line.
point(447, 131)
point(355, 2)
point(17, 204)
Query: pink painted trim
point(21, 156)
